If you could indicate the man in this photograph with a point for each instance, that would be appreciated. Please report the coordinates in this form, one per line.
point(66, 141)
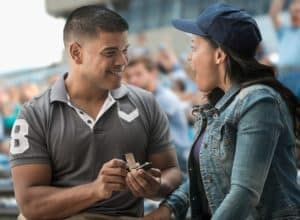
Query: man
point(142, 72)
point(68, 145)
point(289, 44)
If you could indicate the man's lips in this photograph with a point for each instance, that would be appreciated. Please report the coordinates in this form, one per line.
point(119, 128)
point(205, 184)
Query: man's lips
point(116, 73)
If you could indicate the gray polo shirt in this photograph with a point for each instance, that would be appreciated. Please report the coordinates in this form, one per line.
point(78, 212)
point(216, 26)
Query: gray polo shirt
point(50, 130)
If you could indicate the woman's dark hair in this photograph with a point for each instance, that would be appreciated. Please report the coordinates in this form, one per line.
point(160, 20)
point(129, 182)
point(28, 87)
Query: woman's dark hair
point(247, 71)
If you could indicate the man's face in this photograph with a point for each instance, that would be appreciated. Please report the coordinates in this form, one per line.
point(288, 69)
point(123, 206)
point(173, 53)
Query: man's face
point(295, 13)
point(138, 75)
point(104, 59)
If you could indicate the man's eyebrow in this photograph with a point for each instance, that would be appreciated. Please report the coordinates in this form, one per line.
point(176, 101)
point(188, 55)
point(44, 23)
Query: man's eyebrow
point(114, 48)
point(110, 48)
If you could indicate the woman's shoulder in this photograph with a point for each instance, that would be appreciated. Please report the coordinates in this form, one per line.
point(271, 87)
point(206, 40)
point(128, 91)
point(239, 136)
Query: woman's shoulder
point(253, 95)
point(257, 92)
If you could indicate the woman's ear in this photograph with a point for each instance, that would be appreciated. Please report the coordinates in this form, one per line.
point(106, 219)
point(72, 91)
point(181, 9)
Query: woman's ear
point(220, 56)
point(75, 51)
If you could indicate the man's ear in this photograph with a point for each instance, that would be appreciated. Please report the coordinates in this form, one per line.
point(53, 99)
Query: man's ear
point(220, 56)
point(75, 51)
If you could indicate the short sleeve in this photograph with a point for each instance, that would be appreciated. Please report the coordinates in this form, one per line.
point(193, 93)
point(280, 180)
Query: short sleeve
point(28, 144)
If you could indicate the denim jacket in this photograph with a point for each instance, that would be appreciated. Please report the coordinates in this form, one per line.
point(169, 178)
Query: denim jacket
point(247, 159)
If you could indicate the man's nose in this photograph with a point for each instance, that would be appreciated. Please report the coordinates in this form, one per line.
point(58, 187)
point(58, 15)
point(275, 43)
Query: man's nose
point(121, 59)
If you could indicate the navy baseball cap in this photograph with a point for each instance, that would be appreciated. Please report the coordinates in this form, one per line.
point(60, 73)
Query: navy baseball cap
point(227, 25)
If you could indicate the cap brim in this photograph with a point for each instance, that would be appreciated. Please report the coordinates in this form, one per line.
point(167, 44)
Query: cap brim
point(188, 26)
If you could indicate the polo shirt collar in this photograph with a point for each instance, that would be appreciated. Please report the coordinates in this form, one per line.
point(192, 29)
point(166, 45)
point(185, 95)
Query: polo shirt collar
point(119, 92)
point(59, 92)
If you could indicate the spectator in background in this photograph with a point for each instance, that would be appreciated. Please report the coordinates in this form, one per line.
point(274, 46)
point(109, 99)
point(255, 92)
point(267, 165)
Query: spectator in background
point(3, 149)
point(29, 90)
point(140, 49)
point(53, 78)
point(142, 72)
point(9, 108)
point(171, 69)
point(289, 44)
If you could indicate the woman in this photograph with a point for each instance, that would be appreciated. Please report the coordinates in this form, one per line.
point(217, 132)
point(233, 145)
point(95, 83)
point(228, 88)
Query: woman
point(242, 163)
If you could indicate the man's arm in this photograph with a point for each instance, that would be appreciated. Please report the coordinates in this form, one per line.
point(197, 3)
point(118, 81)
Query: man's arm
point(157, 182)
point(167, 162)
point(38, 200)
point(165, 175)
point(274, 11)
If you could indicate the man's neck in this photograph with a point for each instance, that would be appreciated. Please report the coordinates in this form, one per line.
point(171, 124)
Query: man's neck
point(80, 89)
point(85, 96)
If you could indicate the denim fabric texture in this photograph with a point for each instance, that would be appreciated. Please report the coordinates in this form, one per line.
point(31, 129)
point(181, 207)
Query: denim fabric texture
point(247, 159)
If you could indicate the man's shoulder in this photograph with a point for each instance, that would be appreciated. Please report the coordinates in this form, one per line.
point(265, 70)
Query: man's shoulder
point(38, 103)
point(137, 93)
point(143, 100)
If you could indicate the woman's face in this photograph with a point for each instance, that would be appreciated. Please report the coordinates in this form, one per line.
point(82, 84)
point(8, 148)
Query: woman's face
point(203, 61)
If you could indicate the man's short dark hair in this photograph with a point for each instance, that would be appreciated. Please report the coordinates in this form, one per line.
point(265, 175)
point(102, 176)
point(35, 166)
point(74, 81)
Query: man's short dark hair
point(88, 21)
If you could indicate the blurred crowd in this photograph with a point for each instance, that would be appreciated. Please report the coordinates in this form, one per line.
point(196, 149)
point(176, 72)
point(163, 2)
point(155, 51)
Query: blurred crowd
point(11, 99)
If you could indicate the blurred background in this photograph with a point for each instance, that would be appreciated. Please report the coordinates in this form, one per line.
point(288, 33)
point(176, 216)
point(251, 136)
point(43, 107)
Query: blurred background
point(33, 58)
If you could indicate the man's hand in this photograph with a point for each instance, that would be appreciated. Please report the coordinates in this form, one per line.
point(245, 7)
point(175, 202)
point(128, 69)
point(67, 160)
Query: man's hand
point(144, 183)
point(112, 177)
point(161, 213)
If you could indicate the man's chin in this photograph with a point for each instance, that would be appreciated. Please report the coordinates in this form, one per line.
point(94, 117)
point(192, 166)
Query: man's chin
point(115, 86)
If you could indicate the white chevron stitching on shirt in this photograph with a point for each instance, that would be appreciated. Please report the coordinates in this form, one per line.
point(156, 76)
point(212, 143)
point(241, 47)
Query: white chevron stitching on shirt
point(129, 117)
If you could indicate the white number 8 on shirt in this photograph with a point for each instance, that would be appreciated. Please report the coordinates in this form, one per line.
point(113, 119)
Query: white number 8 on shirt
point(19, 142)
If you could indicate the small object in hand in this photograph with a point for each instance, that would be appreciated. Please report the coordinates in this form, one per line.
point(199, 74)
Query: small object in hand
point(131, 161)
point(133, 165)
point(145, 166)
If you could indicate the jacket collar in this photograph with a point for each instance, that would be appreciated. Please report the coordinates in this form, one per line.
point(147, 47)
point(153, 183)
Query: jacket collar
point(228, 96)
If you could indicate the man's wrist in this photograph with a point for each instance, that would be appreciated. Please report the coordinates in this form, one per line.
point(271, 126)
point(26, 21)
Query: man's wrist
point(95, 191)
